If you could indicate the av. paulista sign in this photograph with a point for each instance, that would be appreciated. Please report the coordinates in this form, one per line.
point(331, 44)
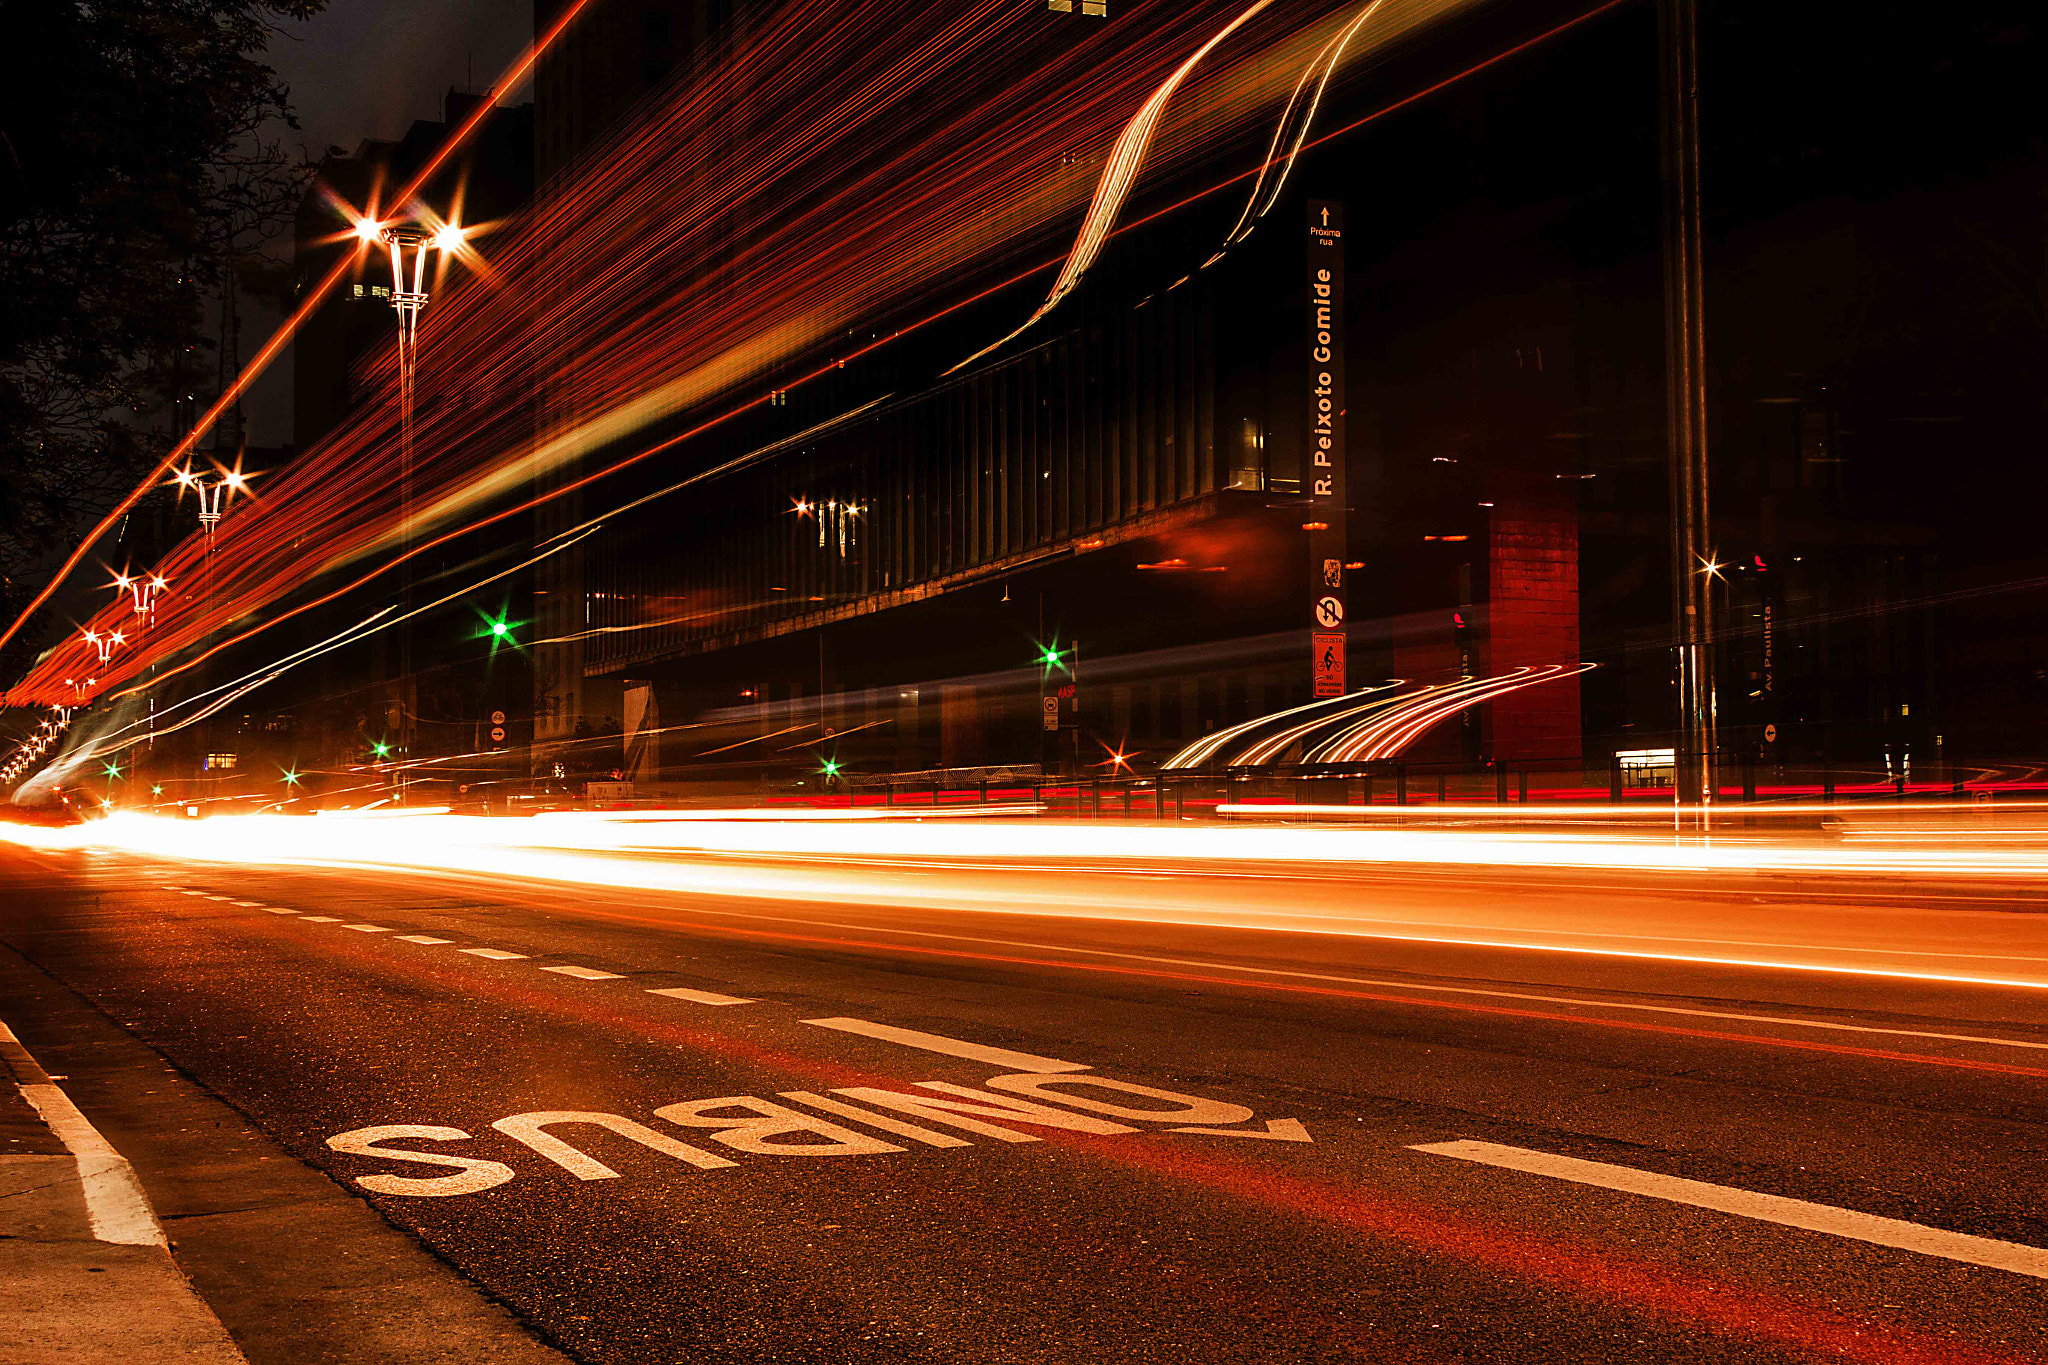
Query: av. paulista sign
point(1323, 471)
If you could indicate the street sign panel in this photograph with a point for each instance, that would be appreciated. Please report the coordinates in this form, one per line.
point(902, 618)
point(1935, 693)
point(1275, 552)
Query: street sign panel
point(1329, 665)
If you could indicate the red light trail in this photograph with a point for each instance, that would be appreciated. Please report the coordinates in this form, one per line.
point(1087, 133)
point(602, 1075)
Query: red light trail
point(933, 179)
point(315, 296)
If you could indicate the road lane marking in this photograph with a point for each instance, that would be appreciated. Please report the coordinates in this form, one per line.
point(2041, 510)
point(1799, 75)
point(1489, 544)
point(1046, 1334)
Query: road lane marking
point(1343, 980)
point(927, 1136)
point(753, 1126)
point(1918, 1058)
point(583, 973)
point(323, 919)
point(951, 1047)
point(1277, 1130)
point(279, 910)
point(367, 928)
point(494, 954)
point(192, 893)
point(115, 1206)
point(700, 997)
point(253, 905)
point(422, 938)
point(1769, 1208)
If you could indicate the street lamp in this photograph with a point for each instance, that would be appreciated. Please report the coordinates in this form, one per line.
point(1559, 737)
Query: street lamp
point(105, 644)
point(214, 490)
point(142, 590)
point(408, 245)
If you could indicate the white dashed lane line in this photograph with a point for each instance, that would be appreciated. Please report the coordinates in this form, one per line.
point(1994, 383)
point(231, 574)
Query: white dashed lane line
point(700, 997)
point(1769, 1208)
point(695, 997)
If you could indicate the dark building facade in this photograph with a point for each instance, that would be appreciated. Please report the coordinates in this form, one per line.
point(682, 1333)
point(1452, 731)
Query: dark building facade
point(1130, 475)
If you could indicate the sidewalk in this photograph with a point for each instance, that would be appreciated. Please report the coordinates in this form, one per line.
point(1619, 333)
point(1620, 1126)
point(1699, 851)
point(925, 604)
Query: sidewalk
point(85, 1274)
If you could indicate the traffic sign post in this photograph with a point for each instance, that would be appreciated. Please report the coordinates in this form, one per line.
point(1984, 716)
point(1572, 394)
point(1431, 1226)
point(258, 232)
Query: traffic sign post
point(1323, 453)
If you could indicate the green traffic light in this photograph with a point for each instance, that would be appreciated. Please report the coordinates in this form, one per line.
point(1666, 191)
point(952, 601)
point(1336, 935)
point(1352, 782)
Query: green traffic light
point(831, 768)
point(291, 778)
point(500, 629)
point(113, 770)
point(155, 790)
point(380, 748)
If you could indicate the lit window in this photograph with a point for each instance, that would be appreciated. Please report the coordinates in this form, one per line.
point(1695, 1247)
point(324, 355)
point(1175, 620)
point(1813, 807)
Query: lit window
point(359, 291)
point(219, 763)
point(1098, 8)
point(380, 291)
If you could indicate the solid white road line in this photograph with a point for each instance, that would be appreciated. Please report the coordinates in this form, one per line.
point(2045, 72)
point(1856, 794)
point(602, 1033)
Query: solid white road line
point(323, 919)
point(279, 910)
point(583, 973)
point(115, 1205)
point(700, 997)
point(367, 928)
point(423, 938)
point(494, 954)
point(952, 1047)
point(1769, 1208)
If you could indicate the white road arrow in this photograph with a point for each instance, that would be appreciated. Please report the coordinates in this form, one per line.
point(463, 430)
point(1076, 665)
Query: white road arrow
point(1277, 1130)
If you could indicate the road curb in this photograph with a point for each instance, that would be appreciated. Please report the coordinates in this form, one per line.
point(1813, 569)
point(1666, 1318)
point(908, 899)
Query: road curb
point(86, 1273)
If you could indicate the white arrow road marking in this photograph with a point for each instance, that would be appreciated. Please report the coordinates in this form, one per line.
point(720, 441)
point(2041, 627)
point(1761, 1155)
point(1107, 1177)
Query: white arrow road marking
point(951, 1047)
point(700, 997)
point(1277, 1130)
point(1769, 1208)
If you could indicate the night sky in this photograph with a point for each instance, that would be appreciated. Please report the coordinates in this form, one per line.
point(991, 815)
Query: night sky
point(367, 69)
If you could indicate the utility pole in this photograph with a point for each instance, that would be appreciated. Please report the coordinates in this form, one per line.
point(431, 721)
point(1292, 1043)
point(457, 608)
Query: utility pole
point(1692, 558)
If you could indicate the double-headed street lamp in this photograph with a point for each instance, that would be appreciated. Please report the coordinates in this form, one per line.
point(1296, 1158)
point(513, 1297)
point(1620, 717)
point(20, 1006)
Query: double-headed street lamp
point(142, 590)
point(214, 490)
point(408, 245)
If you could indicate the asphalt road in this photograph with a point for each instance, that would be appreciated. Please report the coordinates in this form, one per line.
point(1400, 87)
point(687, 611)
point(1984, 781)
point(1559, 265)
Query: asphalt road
point(664, 1127)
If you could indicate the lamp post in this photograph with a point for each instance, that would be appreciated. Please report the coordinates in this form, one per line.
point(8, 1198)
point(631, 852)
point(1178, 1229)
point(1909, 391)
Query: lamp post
point(214, 490)
point(408, 245)
point(142, 590)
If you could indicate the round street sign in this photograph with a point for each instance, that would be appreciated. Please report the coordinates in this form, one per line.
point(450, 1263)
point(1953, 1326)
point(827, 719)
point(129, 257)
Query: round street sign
point(497, 717)
point(1770, 734)
point(497, 734)
point(1329, 612)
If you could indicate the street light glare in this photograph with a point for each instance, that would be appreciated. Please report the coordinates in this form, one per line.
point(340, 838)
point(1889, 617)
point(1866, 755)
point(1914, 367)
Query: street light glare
point(448, 238)
point(368, 231)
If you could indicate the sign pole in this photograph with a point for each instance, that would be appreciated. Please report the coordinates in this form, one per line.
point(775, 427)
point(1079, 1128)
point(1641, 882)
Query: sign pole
point(1324, 455)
